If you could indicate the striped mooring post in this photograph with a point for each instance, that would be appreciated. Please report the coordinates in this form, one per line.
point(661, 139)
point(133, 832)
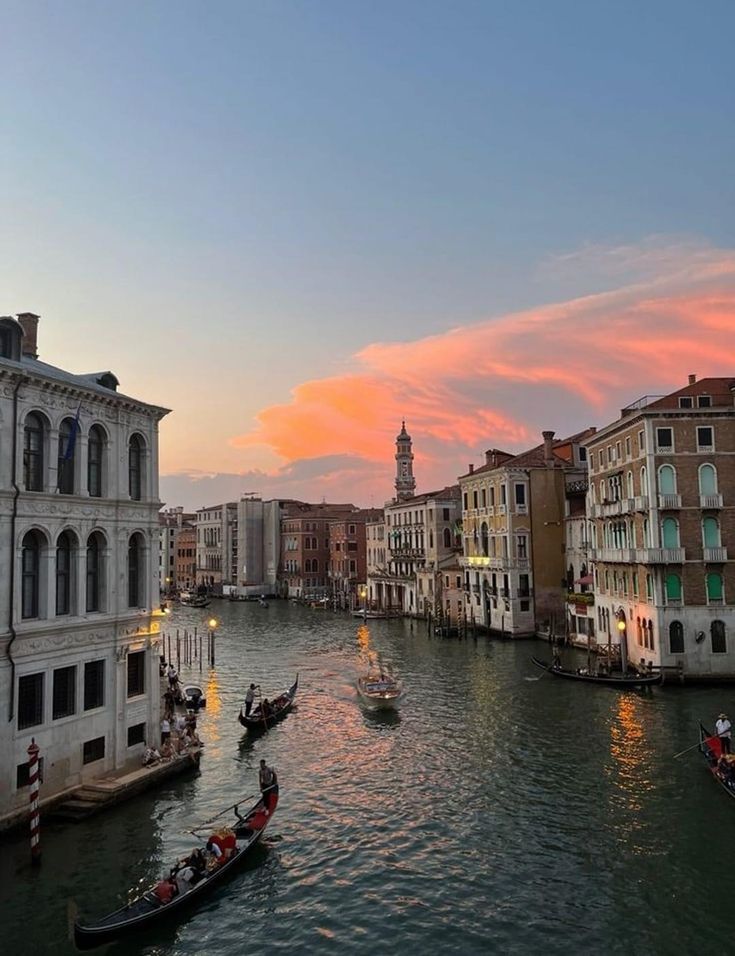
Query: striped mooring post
point(35, 817)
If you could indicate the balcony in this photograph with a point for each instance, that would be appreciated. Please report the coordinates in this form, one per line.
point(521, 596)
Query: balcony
point(500, 509)
point(401, 552)
point(669, 502)
point(579, 597)
point(715, 555)
point(660, 555)
point(613, 555)
point(640, 503)
point(710, 501)
point(576, 486)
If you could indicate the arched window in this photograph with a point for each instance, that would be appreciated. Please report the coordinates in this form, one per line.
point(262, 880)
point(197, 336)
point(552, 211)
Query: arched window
point(714, 588)
point(64, 572)
point(676, 637)
point(711, 533)
point(315, 566)
point(135, 467)
point(670, 532)
point(485, 539)
point(33, 438)
point(136, 590)
point(707, 480)
point(673, 588)
point(31, 577)
point(95, 461)
point(650, 635)
point(94, 572)
point(649, 588)
point(718, 636)
point(67, 455)
point(629, 484)
point(447, 538)
point(646, 534)
point(644, 480)
point(667, 480)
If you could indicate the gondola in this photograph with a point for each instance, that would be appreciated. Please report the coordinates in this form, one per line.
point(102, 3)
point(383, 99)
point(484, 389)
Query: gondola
point(146, 910)
point(279, 708)
point(194, 697)
point(710, 747)
point(609, 680)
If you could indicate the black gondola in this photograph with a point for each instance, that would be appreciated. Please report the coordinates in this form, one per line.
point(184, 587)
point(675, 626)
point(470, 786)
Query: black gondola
point(147, 910)
point(279, 708)
point(624, 680)
point(194, 697)
point(710, 747)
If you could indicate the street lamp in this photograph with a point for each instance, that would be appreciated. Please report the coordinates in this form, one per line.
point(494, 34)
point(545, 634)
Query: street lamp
point(363, 595)
point(622, 633)
point(212, 623)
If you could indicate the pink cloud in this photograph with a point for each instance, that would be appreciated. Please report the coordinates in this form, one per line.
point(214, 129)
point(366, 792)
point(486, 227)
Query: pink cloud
point(500, 381)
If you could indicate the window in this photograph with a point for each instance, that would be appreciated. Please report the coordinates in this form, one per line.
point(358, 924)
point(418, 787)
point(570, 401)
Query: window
point(136, 674)
point(485, 539)
point(667, 480)
point(644, 481)
point(665, 439)
point(483, 498)
point(628, 447)
point(714, 588)
point(353, 567)
point(94, 572)
point(33, 437)
point(718, 637)
point(629, 484)
point(524, 589)
point(136, 596)
point(31, 568)
point(64, 552)
point(711, 533)
point(707, 480)
point(447, 538)
point(93, 750)
point(649, 588)
point(352, 545)
point(94, 684)
point(95, 453)
point(30, 701)
point(670, 533)
point(136, 735)
point(618, 451)
point(135, 467)
point(583, 454)
point(641, 442)
point(66, 457)
point(474, 499)
point(704, 401)
point(673, 588)
point(601, 458)
point(686, 401)
point(520, 493)
point(64, 701)
point(351, 529)
point(705, 438)
point(676, 637)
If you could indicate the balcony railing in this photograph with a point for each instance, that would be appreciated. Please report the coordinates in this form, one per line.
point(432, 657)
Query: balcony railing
point(640, 503)
point(660, 555)
point(401, 552)
point(715, 555)
point(710, 501)
point(613, 555)
point(579, 597)
point(669, 502)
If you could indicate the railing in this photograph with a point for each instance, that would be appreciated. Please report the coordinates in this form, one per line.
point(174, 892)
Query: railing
point(710, 501)
point(613, 555)
point(500, 509)
point(640, 503)
point(660, 555)
point(407, 552)
point(580, 597)
point(577, 486)
point(525, 594)
point(715, 555)
point(667, 502)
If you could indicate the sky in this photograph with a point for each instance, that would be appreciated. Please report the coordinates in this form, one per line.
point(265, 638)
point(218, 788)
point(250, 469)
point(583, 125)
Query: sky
point(296, 223)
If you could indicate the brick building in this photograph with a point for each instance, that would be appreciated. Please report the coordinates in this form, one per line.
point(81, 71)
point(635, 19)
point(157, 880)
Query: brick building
point(304, 564)
point(348, 557)
point(662, 506)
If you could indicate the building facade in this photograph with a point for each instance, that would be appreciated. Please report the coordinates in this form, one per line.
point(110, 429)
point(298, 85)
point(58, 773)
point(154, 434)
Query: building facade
point(348, 558)
point(513, 511)
point(259, 546)
point(185, 568)
point(304, 565)
point(79, 639)
point(217, 558)
point(172, 522)
point(662, 506)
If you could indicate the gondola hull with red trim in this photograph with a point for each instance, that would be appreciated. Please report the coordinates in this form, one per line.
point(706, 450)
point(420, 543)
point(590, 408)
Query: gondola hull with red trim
point(256, 721)
point(710, 746)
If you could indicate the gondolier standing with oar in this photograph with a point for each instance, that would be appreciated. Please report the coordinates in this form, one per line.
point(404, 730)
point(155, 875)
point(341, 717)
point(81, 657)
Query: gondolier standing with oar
point(249, 698)
point(268, 785)
point(723, 729)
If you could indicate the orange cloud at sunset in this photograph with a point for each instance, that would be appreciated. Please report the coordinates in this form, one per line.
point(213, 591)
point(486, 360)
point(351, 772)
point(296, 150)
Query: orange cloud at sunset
point(500, 381)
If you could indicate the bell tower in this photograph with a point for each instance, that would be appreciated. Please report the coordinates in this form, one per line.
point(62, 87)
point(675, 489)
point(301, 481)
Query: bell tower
point(405, 481)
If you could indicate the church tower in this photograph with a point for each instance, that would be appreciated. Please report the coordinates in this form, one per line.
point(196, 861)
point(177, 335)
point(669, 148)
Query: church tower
point(405, 481)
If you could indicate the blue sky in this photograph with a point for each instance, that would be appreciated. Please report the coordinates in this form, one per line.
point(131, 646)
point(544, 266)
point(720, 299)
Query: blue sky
point(258, 190)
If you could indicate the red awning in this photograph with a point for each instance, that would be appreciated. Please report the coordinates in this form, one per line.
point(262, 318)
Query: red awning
point(587, 579)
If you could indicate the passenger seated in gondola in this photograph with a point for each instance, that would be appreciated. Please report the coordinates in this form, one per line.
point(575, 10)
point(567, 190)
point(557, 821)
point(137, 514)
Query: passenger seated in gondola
point(165, 890)
point(186, 877)
point(265, 709)
point(582, 671)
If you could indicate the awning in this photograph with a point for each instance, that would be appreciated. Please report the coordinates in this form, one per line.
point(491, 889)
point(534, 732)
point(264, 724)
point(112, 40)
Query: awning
point(587, 579)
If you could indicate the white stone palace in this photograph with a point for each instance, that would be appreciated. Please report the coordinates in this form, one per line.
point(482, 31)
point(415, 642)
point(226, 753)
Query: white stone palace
point(79, 637)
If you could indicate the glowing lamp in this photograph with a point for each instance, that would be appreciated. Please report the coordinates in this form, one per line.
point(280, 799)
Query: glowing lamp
point(621, 625)
point(212, 623)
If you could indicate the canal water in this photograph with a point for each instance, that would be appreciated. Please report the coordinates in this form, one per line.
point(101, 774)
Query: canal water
point(499, 811)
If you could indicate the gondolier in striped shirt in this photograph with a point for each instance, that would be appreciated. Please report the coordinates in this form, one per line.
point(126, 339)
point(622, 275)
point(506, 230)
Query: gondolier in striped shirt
point(723, 729)
point(268, 785)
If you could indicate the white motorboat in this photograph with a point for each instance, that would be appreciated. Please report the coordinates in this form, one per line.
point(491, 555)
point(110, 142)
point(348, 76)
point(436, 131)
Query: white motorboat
point(370, 615)
point(380, 690)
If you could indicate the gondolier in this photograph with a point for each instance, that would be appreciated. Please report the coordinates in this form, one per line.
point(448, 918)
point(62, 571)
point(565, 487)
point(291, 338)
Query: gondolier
point(723, 729)
point(249, 698)
point(268, 784)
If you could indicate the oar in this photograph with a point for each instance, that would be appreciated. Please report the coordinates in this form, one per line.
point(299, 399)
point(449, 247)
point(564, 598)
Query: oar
point(206, 823)
point(687, 750)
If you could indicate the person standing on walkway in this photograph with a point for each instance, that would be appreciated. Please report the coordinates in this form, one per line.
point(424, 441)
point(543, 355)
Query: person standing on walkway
point(268, 785)
point(249, 698)
point(165, 730)
point(723, 729)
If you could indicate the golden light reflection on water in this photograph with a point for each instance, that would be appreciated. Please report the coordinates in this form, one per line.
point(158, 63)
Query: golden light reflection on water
point(214, 710)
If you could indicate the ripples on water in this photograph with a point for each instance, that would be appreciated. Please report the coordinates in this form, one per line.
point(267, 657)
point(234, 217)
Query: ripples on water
point(492, 813)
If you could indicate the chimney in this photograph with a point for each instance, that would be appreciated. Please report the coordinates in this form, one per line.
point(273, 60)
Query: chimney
point(548, 450)
point(29, 323)
point(692, 379)
point(472, 468)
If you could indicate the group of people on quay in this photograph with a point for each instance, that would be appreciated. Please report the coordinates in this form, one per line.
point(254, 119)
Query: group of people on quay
point(178, 730)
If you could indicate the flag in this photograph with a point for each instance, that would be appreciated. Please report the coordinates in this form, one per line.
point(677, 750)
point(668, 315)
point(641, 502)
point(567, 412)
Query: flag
point(71, 443)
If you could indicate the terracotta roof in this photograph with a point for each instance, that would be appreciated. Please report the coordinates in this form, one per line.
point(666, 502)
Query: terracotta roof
point(451, 491)
point(719, 388)
point(534, 457)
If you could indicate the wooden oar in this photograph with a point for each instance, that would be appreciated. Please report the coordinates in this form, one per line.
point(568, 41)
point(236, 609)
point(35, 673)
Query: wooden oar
point(687, 750)
point(206, 823)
